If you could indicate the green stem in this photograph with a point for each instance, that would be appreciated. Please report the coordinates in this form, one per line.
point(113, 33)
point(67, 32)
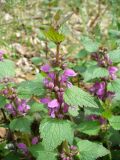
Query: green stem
point(65, 147)
point(108, 146)
point(57, 54)
point(106, 140)
point(26, 136)
point(46, 49)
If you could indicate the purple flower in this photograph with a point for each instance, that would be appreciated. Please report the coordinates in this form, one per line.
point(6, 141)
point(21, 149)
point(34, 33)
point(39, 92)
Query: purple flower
point(22, 147)
point(45, 100)
point(5, 91)
point(69, 73)
point(92, 117)
point(46, 81)
point(102, 120)
point(98, 89)
point(73, 147)
point(51, 75)
point(34, 140)
point(53, 104)
point(110, 95)
point(53, 107)
point(97, 118)
point(65, 108)
point(63, 78)
point(45, 68)
point(23, 107)
point(112, 71)
point(9, 107)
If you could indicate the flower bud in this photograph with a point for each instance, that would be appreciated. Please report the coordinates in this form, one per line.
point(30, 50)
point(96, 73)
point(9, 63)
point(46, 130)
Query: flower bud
point(61, 89)
point(73, 147)
point(5, 92)
point(35, 140)
point(56, 88)
point(51, 85)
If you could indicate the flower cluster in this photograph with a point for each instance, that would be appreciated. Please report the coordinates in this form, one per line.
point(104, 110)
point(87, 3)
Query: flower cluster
point(56, 84)
point(18, 107)
point(94, 117)
point(100, 88)
point(72, 152)
point(104, 61)
point(23, 147)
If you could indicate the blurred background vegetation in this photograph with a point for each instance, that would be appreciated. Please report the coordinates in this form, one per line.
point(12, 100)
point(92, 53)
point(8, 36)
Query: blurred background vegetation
point(22, 23)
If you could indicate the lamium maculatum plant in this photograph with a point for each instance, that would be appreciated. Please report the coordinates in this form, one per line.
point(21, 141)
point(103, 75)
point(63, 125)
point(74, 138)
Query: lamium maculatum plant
point(51, 117)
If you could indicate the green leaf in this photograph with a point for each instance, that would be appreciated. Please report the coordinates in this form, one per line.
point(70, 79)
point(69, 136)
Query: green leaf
point(81, 54)
point(31, 88)
point(12, 156)
point(40, 153)
point(114, 86)
point(37, 107)
point(7, 69)
point(36, 60)
point(115, 154)
point(115, 122)
point(49, 155)
point(93, 72)
point(54, 132)
point(65, 18)
point(54, 36)
point(75, 96)
point(74, 111)
point(114, 33)
point(21, 124)
point(115, 55)
point(3, 101)
point(89, 127)
point(96, 111)
point(89, 44)
point(90, 150)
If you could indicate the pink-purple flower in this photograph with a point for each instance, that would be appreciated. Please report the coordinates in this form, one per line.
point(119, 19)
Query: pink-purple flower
point(45, 68)
point(69, 73)
point(45, 100)
point(35, 140)
point(98, 89)
point(9, 107)
point(23, 107)
point(56, 84)
point(112, 71)
point(53, 104)
point(94, 117)
point(23, 148)
point(53, 107)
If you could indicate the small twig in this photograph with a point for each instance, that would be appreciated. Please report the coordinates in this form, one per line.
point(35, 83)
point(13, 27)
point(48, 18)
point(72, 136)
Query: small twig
point(96, 17)
point(4, 115)
point(95, 20)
